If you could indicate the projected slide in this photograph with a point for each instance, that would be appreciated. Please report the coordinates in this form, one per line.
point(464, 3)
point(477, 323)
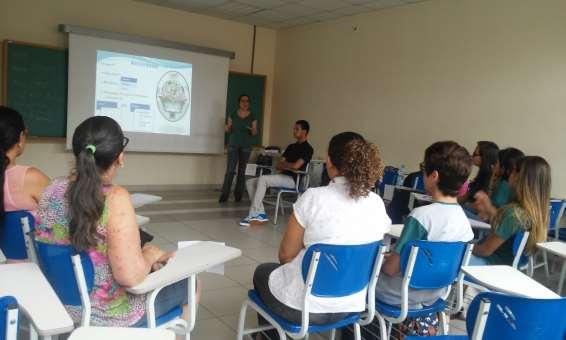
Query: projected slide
point(144, 94)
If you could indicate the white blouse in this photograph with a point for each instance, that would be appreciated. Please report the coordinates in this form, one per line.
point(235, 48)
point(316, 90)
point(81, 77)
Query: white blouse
point(329, 215)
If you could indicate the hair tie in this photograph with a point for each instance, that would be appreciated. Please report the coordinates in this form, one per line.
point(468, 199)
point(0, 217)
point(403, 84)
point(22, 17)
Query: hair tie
point(91, 148)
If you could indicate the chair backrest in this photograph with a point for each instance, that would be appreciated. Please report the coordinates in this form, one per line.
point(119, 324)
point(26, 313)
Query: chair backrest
point(303, 179)
point(55, 263)
point(557, 207)
point(12, 236)
point(418, 183)
point(435, 265)
point(520, 257)
point(342, 269)
point(515, 317)
point(8, 318)
point(389, 178)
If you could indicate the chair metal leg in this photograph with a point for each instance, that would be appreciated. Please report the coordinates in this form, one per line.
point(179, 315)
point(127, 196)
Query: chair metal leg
point(242, 321)
point(277, 207)
point(382, 328)
point(444, 323)
point(333, 334)
point(32, 332)
point(357, 331)
point(545, 259)
point(561, 281)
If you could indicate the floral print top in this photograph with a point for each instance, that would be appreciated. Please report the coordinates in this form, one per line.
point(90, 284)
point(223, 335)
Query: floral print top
point(111, 304)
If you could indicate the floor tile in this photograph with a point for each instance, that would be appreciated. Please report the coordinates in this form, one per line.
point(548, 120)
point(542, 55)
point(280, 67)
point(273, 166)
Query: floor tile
point(212, 329)
point(226, 301)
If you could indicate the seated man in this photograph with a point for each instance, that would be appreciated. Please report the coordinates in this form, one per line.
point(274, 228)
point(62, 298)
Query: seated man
point(295, 157)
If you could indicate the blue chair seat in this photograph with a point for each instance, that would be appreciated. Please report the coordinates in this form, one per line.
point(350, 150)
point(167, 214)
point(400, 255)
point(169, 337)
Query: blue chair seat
point(295, 328)
point(439, 337)
point(170, 315)
point(395, 311)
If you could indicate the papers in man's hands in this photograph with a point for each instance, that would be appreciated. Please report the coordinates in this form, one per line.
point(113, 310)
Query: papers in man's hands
point(251, 169)
point(219, 269)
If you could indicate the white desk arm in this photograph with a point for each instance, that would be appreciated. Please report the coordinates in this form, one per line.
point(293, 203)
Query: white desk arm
point(187, 262)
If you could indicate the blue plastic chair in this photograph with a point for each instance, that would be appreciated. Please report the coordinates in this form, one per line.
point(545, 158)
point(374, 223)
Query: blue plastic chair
point(389, 178)
point(557, 207)
point(8, 318)
point(418, 183)
point(71, 275)
point(13, 240)
point(426, 265)
point(512, 317)
point(328, 271)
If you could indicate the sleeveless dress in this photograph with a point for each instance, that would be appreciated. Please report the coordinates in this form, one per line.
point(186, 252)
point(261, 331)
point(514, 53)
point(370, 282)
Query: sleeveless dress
point(111, 304)
point(14, 196)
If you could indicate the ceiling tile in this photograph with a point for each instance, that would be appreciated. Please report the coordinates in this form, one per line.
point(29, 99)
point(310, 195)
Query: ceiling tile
point(266, 16)
point(327, 5)
point(267, 4)
point(236, 9)
point(295, 10)
point(324, 16)
point(359, 2)
point(379, 4)
point(351, 10)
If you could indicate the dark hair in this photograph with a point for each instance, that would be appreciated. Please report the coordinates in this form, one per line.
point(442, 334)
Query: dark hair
point(509, 161)
point(489, 153)
point(304, 125)
point(453, 164)
point(97, 143)
point(242, 96)
point(357, 160)
point(11, 127)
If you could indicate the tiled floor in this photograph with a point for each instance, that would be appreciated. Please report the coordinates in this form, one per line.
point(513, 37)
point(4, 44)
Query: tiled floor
point(196, 215)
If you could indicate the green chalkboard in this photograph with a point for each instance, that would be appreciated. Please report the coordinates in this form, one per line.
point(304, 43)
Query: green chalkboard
point(254, 87)
point(35, 84)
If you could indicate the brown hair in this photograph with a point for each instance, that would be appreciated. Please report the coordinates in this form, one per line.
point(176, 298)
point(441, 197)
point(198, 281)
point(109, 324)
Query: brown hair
point(357, 160)
point(453, 164)
point(532, 190)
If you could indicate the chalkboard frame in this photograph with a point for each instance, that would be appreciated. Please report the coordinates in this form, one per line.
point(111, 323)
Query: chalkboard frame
point(4, 96)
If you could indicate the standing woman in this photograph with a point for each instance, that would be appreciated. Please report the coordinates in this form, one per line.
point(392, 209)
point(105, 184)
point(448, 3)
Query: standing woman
point(241, 127)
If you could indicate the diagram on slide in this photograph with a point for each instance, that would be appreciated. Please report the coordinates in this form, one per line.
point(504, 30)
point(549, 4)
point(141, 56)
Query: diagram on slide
point(144, 94)
point(173, 96)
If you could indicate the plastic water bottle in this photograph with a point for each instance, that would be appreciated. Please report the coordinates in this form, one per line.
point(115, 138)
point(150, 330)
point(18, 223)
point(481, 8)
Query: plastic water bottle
point(401, 175)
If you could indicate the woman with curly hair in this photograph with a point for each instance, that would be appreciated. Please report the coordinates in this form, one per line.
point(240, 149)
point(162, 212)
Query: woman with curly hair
point(344, 212)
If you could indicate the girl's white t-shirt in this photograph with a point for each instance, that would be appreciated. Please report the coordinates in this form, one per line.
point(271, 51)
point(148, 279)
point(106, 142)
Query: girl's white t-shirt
point(329, 215)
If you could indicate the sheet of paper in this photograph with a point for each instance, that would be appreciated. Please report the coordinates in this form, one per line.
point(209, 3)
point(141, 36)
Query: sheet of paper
point(251, 169)
point(219, 269)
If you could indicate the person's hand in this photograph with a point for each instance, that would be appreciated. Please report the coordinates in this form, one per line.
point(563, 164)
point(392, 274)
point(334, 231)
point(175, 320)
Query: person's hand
point(162, 261)
point(151, 252)
point(482, 203)
point(228, 127)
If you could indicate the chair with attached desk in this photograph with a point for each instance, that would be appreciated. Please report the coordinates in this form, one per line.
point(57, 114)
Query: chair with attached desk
point(496, 316)
point(426, 265)
point(8, 318)
point(71, 275)
point(556, 211)
point(328, 271)
point(301, 185)
point(521, 261)
point(15, 241)
point(389, 179)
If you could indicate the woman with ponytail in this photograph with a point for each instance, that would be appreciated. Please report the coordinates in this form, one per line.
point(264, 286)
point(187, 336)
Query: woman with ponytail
point(22, 185)
point(87, 211)
point(344, 212)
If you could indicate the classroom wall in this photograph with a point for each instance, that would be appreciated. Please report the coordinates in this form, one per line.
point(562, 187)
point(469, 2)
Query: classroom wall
point(465, 70)
point(36, 21)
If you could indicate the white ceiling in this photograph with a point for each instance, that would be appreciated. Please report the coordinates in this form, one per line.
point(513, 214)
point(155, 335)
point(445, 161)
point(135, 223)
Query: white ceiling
point(279, 14)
